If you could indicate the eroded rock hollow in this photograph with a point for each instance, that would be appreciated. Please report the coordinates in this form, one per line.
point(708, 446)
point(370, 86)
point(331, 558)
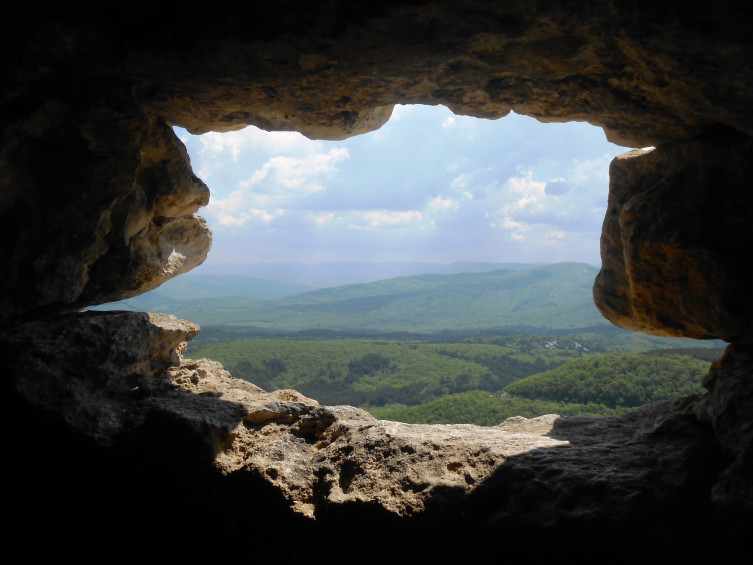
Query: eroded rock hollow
point(98, 202)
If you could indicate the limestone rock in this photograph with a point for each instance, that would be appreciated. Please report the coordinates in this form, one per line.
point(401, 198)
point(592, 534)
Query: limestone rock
point(527, 487)
point(96, 205)
point(730, 381)
point(87, 367)
point(673, 244)
point(118, 379)
point(642, 73)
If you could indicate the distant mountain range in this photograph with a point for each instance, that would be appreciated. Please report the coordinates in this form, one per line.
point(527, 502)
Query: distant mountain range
point(555, 296)
point(322, 275)
point(192, 287)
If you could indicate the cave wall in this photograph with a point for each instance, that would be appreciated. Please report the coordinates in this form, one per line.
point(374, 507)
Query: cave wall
point(98, 202)
point(98, 195)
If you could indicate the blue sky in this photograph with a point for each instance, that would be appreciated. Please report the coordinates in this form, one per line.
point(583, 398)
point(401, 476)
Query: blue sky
point(428, 186)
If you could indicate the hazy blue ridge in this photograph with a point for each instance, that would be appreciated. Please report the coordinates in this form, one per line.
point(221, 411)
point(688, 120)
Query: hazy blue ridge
point(329, 274)
point(549, 297)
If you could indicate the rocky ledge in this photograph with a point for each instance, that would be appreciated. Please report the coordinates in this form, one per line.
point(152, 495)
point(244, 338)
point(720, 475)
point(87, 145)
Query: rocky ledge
point(660, 472)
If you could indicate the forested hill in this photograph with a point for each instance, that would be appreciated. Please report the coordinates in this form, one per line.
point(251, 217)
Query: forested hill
point(550, 297)
point(481, 380)
point(615, 380)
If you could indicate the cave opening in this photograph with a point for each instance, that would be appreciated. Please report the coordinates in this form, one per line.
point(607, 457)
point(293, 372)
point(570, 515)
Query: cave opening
point(87, 109)
point(333, 241)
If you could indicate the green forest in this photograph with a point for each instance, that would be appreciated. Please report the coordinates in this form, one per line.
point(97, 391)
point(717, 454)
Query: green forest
point(466, 347)
point(480, 379)
point(553, 296)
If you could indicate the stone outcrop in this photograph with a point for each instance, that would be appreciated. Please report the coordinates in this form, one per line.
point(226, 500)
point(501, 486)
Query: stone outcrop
point(85, 367)
point(645, 74)
point(125, 384)
point(97, 203)
point(726, 408)
point(673, 242)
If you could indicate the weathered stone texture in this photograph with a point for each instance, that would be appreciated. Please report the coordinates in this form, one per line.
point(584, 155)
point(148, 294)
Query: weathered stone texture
point(643, 74)
point(119, 379)
point(97, 205)
point(87, 367)
point(676, 239)
point(727, 409)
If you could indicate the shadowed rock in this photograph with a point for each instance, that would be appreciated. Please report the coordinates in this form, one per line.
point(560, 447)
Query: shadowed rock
point(118, 378)
point(674, 242)
point(96, 205)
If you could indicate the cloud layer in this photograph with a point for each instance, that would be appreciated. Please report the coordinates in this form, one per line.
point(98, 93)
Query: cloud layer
point(427, 186)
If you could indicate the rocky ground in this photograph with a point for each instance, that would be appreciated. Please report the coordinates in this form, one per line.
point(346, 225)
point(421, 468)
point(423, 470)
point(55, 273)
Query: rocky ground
point(124, 386)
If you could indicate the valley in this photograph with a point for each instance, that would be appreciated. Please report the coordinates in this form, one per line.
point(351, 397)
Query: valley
point(475, 347)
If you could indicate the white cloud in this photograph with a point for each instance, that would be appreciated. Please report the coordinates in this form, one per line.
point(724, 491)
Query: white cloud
point(390, 193)
point(296, 173)
point(323, 219)
point(227, 210)
point(230, 142)
point(233, 221)
point(459, 181)
point(510, 224)
point(203, 174)
point(440, 203)
point(383, 217)
point(266, 216)
point(516, 228)
point(233, 211)
point(532, 192)
point(253, 138)
point(587, 171)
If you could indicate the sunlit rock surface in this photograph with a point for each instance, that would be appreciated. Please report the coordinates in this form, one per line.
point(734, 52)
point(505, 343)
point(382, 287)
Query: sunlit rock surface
point(119, 379)
point(675, 241)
